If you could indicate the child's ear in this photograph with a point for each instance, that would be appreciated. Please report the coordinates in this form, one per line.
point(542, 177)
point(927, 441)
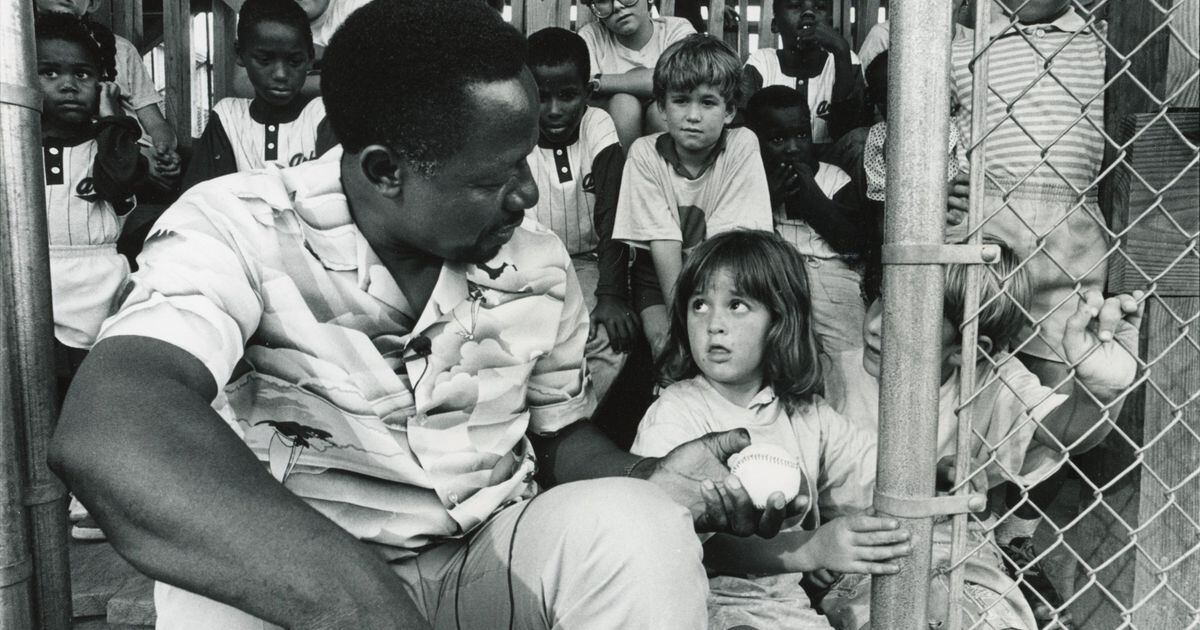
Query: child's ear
point(383, 169)
point(985, 344)
point(730, 111)
point(93, 5)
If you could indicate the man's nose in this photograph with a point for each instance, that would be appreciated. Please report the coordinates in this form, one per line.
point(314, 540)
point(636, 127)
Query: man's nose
point(525, 194)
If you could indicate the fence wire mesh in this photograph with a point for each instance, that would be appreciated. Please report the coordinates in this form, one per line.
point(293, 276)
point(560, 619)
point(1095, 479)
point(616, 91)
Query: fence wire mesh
point(1084, 164)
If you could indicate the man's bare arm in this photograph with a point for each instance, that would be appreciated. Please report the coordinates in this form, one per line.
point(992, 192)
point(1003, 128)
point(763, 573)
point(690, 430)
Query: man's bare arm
point(186, 502)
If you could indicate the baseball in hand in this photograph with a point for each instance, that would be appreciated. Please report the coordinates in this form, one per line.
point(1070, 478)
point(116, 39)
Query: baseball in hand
point(765, 469)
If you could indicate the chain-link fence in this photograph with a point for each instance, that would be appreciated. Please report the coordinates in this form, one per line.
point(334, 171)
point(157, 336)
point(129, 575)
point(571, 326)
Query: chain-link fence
point(1081, 124)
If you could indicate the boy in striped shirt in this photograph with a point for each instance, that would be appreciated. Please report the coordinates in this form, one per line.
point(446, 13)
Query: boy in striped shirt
point(577, 166)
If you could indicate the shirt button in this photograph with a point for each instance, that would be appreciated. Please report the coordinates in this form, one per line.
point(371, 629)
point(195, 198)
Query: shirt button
point(270, 145)
point(558, 152)
point(1041, 32)
point(53, 150)
point(270, 127)
point(565, 169)
point(454, 498)
point(55, 170)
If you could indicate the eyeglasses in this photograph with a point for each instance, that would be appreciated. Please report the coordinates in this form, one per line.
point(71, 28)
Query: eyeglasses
point(605, 8)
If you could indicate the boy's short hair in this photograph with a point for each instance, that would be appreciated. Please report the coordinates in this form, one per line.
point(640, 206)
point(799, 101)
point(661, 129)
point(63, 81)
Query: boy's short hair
point(412, 93)
point(1004, 295)
point(285, 12)
point(774, 97)
point(697, 60)
point(555, 46)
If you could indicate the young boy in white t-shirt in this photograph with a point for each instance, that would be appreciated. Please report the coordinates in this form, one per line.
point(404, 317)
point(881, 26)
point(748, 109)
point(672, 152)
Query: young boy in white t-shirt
point(625, 44)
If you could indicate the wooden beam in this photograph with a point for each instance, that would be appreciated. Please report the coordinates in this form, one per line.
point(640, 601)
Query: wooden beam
point(867, 17)
point(1181, 55)
point(177, 42)
point(223, 57)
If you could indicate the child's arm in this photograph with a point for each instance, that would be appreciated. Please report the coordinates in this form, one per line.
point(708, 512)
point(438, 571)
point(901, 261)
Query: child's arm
point(846, 98)
point(612, 288)
point(840, 221)
point(212, 155)
point(850, 544)
point(119, 166)
point(638, 82)
point(668, 261)
point(1101, 340)
point(157, 127)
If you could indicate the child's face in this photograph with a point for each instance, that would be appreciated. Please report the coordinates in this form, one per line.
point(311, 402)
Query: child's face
point(1034, 11)
point(313, 8)
point(726, 334)
point(785, 137)
point(74, 7)
point(624, 21)
point(873, 341)
point(562, 99)
point(69, 80)
point(695, 119)
point(798, 19)
point(276, 60)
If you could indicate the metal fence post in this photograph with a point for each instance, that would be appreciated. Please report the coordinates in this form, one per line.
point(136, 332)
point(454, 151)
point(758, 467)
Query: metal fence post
point(919, 111)
point(25, 308)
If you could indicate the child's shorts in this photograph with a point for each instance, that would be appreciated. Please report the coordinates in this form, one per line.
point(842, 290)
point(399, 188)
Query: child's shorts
point(84, 283)
point(1063, 237)
point(764, 602)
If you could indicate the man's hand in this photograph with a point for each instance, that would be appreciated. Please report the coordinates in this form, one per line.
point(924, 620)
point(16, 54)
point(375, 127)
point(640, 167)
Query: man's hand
point(958, 199)
point(695, 475)
point(618, 319)
point(110, 99)
point(1101, 341)
point(859, 544)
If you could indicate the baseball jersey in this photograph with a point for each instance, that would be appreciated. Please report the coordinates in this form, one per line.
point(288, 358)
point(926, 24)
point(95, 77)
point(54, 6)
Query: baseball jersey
point(88, 195)
point(830, 179)
point(819, 88)
point(566, 186)
point(610, 56)
point(659, 202)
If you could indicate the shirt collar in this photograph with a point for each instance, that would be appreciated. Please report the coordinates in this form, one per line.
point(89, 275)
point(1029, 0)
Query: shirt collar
point(665, 145)
point(1069, 22)
point(313, 191)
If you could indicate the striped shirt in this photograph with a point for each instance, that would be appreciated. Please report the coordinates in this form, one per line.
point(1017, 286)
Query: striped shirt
point(830, 179)
point(819, 88)
point(567, 189)
point(1058, 115)
point(403, 427)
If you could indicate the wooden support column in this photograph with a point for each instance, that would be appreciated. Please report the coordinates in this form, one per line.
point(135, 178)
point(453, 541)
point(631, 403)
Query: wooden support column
point(223, 57)
point(127, 20)
point(177, 42)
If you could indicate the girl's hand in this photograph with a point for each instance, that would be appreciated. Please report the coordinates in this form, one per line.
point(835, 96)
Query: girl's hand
point(1101, 341)
point(110, 99)
point(859, 544)
point(958, 199)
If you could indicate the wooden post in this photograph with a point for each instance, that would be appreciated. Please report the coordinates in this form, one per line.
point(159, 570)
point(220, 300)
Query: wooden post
point(223, 57)
point(127, 20)
point(177, 42)
point(766, 35)
point(867, 17)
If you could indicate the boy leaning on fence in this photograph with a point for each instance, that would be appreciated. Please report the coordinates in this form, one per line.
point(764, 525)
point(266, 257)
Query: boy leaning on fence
point(1023, 430)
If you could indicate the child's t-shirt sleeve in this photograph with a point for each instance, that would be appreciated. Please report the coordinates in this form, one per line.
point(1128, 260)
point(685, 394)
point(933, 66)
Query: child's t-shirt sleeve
point(590, 35)
point(669, 422)
point(1022, 402)
point(646, 209)
point(132, 77)
point(743, 200)
point(847, 480)
point(675, 30)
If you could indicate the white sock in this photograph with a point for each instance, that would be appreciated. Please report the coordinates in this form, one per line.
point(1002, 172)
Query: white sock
point(1016, 527)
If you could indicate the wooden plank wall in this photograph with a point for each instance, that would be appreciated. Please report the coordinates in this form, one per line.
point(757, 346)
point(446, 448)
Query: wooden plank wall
point(177, 42)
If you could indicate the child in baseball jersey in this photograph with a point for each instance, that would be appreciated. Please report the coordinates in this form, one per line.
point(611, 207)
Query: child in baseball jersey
point(694, 181)
point(1022, 428)
point(577, 166)
point(92, 166)
point(279, 126)
point(742, 354)
point(139, 98)
point(816, 209)
point(625, 44)
point(818, 63)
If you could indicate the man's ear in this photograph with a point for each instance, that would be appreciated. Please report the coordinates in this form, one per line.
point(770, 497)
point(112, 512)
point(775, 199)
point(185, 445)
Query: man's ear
point(383, 169)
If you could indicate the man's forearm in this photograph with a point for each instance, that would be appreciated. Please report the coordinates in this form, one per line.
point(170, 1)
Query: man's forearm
point(785, 553)
point(182, 498)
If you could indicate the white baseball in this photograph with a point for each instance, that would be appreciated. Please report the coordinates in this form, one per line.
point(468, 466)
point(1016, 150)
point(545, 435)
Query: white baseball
point(765, 469)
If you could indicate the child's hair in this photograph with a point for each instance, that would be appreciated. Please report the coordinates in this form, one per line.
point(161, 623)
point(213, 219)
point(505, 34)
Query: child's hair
point(767, 269)
point(770, 98)
point(1004, 296)
point(94, 38)
point(285, 12)
point(698, 60)
point(555, 46)
point(876, 79)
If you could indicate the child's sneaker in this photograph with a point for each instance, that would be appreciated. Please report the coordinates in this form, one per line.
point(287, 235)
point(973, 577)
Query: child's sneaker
point(1035, 585)
point(87, 530)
